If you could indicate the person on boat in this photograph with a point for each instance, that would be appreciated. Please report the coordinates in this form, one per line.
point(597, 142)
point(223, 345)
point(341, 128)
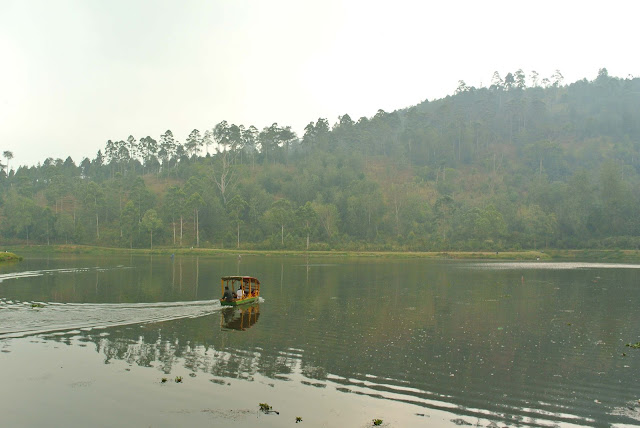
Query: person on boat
point(228, 296)
point(240, 293)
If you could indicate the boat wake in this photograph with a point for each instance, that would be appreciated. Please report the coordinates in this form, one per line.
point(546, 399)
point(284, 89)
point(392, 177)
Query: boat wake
point(32, 273)
point(19, 319)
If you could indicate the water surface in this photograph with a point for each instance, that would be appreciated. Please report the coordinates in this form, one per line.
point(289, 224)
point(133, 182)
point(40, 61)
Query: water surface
point(337, 341)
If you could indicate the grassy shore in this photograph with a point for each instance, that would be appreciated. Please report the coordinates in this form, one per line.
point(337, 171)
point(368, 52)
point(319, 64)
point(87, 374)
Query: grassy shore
point(9, 257)
point(628, 256)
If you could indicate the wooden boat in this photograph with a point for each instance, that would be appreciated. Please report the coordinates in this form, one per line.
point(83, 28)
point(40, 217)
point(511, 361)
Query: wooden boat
point(249, 287)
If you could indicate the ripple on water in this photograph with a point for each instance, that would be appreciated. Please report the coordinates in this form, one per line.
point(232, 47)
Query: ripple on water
point(24, 319)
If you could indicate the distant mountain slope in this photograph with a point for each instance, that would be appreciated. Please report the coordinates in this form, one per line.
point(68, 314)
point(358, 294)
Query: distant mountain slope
point(504, 167)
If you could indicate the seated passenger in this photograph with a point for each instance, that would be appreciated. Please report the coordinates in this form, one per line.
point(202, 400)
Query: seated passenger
point(228, 296)
point(240, 293)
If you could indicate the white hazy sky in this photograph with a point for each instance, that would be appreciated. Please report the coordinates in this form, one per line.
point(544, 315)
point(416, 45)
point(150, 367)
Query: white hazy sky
point(74, 74)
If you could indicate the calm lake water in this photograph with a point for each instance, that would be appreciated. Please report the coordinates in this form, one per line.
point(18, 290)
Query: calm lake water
point(335, 341)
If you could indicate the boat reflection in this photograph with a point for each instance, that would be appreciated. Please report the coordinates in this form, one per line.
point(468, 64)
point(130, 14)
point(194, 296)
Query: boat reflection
point(239, 318)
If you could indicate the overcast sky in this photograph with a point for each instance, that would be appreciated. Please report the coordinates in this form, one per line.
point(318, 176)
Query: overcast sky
point(74, 74)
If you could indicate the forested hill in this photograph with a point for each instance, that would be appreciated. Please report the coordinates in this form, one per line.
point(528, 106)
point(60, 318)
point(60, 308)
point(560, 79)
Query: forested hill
point(511, 166)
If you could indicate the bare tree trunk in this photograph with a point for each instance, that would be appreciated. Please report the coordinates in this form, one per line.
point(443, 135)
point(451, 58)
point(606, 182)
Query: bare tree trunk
point(121, 215)
point(540, 172)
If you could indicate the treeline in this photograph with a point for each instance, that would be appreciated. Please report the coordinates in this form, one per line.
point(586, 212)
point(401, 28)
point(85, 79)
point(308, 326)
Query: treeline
point(511, 166)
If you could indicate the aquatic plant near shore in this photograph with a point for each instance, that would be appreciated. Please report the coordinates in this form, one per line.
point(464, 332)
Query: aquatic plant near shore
point(265, 408)
point(377, 422)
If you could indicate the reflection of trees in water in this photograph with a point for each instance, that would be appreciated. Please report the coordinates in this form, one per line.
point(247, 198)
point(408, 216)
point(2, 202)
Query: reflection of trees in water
point(171, 346)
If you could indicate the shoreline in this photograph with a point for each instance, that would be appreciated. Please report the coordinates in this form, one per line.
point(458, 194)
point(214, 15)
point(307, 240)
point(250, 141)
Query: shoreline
point(525, 255)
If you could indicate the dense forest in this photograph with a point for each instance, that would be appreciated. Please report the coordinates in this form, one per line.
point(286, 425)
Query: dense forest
point(523, 163)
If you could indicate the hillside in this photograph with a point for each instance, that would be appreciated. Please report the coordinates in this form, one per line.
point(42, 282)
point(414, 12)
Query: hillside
point(510, 166)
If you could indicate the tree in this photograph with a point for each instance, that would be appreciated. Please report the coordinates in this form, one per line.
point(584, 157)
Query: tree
point(129, 220)
point(47, 219)
point(544, 156)
point(250, 141)
point(223, 173)
point(8, 156)
point(175, 201)
point(167, 146)
point(151, 222)
point(132, 147)
point(537, 224)
point(603, 75)
point(557, 78)
point(534, 78)
point(444, 209)
point(236, 206)
point(306, 215)
point(345, 121)
point(195, 202)
point(268, 138)
point(64, 226)
point(509, 81)
point(20, 213)
point(94, 197)
point(520, 80)
point(496, 82)
point(194, 143)
point(148, 149)
point(207, 139)
point(328, 216)
point(462, 87)
point(280, 213)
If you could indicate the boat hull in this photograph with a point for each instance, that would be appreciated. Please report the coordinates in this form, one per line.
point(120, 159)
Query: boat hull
point(239, 302)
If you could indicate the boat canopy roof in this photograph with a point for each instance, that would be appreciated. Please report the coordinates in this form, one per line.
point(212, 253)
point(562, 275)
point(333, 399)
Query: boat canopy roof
point(240, 278)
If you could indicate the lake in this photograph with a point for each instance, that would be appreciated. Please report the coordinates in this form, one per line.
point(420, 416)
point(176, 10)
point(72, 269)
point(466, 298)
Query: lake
point(87, 341)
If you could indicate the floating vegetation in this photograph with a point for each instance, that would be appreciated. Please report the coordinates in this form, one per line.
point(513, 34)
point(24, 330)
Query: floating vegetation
point(634, 345)
point(9, 257)
point(298, 419)
point(163, 380)
point(377, 422)
point(178, 379)
point(37, 305)
point(266, 409)
point(460, 421)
